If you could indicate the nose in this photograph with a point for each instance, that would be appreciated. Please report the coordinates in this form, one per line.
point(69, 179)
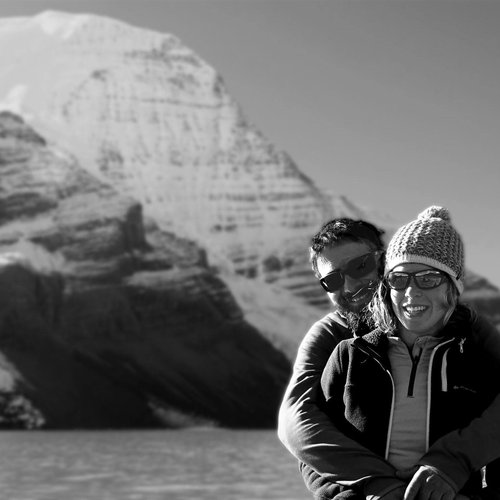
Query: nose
point(412, 290)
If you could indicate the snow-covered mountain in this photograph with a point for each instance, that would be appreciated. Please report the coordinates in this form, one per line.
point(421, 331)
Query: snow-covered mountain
point(144, 113)
point(164, 237)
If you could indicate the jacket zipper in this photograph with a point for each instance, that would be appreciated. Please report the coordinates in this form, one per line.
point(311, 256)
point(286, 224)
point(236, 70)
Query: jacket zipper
point(414, 365)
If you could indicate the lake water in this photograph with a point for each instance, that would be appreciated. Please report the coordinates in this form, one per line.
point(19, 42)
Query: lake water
point(147, 465)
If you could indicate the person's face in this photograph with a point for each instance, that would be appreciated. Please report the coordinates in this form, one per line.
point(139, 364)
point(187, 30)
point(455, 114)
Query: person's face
point(355, 293)
point(420, 311)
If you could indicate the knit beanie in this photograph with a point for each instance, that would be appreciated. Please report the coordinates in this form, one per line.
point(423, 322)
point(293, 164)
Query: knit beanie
point(430, 240)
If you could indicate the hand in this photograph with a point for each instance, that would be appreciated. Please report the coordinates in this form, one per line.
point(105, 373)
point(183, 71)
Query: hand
point(426, 484)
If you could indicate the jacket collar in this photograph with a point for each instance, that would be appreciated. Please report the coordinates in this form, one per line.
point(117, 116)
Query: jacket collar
point(375, 344)
point(376, 338)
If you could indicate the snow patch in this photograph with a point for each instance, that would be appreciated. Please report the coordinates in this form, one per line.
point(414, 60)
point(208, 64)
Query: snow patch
point(14, 100)
point(60, 24)
point(33, 256)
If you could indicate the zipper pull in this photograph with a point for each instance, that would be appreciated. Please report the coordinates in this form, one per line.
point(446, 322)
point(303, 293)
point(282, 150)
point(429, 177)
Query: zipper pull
point(461, 345)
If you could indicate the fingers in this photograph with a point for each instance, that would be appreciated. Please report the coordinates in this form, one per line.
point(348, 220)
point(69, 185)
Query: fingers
point(438, 495)
point(413, 488)
point(427, 484)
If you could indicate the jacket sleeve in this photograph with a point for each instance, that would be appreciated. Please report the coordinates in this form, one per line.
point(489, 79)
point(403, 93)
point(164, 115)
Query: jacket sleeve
point(308, 433)
point(464, 451)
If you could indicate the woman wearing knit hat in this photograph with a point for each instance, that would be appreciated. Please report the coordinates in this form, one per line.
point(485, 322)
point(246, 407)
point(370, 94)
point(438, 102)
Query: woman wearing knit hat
point(420, 376)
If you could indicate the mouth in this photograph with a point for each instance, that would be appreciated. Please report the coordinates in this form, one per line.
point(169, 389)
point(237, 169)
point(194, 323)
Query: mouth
point(414, 311)
point(363, 295)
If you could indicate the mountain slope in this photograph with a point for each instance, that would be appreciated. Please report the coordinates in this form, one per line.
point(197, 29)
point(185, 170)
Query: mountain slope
point(144, 113)
point(113, 327)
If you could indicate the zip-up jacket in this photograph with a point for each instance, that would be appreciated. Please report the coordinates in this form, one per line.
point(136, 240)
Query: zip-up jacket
point(328, 457)
point(306, 430)
point(463, 380)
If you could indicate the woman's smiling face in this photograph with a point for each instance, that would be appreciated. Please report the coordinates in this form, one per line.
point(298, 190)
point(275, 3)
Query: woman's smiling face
point(420, 311)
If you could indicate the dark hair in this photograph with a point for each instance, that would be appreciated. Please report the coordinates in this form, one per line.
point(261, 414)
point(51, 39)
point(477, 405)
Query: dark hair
point(339, 230)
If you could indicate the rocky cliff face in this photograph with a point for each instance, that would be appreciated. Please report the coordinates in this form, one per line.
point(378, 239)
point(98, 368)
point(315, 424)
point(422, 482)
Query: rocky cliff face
point(122, 324)
point(164, 277)
point(144, 113)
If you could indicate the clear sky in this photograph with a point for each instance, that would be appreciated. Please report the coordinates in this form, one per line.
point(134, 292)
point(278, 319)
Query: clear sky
point(393, 103)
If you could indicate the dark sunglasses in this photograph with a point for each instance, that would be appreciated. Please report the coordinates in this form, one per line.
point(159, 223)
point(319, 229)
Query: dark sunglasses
point(425, 280)
point(355, 268)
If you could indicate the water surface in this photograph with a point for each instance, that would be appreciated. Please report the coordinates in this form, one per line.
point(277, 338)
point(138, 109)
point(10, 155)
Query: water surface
point(148, 465)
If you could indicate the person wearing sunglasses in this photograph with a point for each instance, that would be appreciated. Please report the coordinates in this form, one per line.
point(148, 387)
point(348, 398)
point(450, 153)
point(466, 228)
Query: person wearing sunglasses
point(421, 381)
point(347, 259)
point(346, 256)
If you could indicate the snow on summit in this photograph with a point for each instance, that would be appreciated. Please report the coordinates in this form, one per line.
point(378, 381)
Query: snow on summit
point(145, 114)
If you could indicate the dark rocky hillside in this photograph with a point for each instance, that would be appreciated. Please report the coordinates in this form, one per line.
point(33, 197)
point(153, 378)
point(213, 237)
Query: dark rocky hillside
point(127, 325)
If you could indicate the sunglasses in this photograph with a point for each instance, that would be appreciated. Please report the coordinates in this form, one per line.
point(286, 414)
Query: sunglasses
point(355, 268)
point(424, 280)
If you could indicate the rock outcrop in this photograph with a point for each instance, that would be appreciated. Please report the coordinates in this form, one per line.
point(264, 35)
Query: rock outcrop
point(116, 328)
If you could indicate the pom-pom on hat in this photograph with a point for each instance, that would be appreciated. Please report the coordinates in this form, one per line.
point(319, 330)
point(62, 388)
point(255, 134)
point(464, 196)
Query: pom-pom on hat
point(430, 240)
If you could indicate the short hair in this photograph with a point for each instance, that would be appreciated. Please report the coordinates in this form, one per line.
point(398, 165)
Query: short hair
point(337, 231)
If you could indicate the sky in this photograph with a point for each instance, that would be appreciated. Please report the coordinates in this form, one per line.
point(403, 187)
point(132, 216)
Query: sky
point(394, 104)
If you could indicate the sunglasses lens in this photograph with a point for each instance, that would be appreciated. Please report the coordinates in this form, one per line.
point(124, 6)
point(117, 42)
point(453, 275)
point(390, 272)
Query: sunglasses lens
point(397, 281)
point(429, 280)
point(355, 268)
point(333, 281)
point(361, 266)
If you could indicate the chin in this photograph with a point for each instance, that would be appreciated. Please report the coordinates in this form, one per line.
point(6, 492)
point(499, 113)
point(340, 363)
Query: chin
point(356, 308)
